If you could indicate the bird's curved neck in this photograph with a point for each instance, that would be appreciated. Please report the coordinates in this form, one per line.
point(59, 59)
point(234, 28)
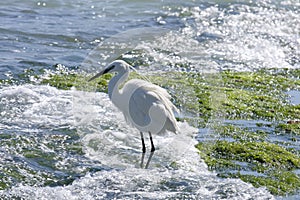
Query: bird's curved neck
point(113, 86)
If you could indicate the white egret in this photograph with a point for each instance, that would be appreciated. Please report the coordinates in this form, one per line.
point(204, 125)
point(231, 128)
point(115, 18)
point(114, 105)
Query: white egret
point(144, 105)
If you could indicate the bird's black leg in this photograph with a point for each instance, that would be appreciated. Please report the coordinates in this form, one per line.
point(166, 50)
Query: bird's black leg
point(152, 151)
point(152, 145)
point(143, 143)
point(144, 150)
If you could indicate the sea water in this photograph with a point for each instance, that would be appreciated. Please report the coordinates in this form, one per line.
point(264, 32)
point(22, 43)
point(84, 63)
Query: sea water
point(58, 144)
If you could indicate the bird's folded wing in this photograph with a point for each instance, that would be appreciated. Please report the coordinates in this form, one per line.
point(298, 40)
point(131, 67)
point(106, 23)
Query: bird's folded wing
point(140, 104)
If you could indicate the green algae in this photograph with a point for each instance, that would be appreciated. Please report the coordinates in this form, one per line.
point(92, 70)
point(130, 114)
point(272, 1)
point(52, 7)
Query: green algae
point(241, 134)
point(74, 80)
point(292, 128)
point(262, 155)
point(264, 80)
point(274, 163)
point(259, 95)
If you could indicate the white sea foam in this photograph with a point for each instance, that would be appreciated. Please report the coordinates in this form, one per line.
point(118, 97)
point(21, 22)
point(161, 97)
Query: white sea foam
point(176, 170)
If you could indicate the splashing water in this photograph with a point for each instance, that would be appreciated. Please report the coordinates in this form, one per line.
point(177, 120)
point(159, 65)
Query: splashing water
point(176, 170)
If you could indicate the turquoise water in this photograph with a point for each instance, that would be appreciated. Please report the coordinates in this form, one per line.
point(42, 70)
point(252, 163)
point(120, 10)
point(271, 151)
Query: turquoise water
point(57, 144)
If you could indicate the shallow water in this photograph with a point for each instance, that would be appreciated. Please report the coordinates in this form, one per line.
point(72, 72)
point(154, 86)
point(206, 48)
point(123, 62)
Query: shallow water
point(59, 144)
point(294, 97)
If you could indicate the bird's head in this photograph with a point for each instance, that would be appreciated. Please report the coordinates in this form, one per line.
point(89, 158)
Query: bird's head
point(118, 66)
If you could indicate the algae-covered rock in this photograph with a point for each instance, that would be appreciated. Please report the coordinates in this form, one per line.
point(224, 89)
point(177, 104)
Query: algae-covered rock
point(260, 163)
point(262, 156)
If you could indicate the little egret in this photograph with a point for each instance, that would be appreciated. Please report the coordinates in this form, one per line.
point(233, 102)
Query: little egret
point(145, 106)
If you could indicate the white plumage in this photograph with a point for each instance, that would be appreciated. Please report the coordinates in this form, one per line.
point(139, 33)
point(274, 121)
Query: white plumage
point(144, 105)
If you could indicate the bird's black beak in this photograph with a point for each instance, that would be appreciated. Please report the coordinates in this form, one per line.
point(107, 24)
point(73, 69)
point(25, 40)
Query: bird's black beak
point(106, 70)
point(97, 75)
